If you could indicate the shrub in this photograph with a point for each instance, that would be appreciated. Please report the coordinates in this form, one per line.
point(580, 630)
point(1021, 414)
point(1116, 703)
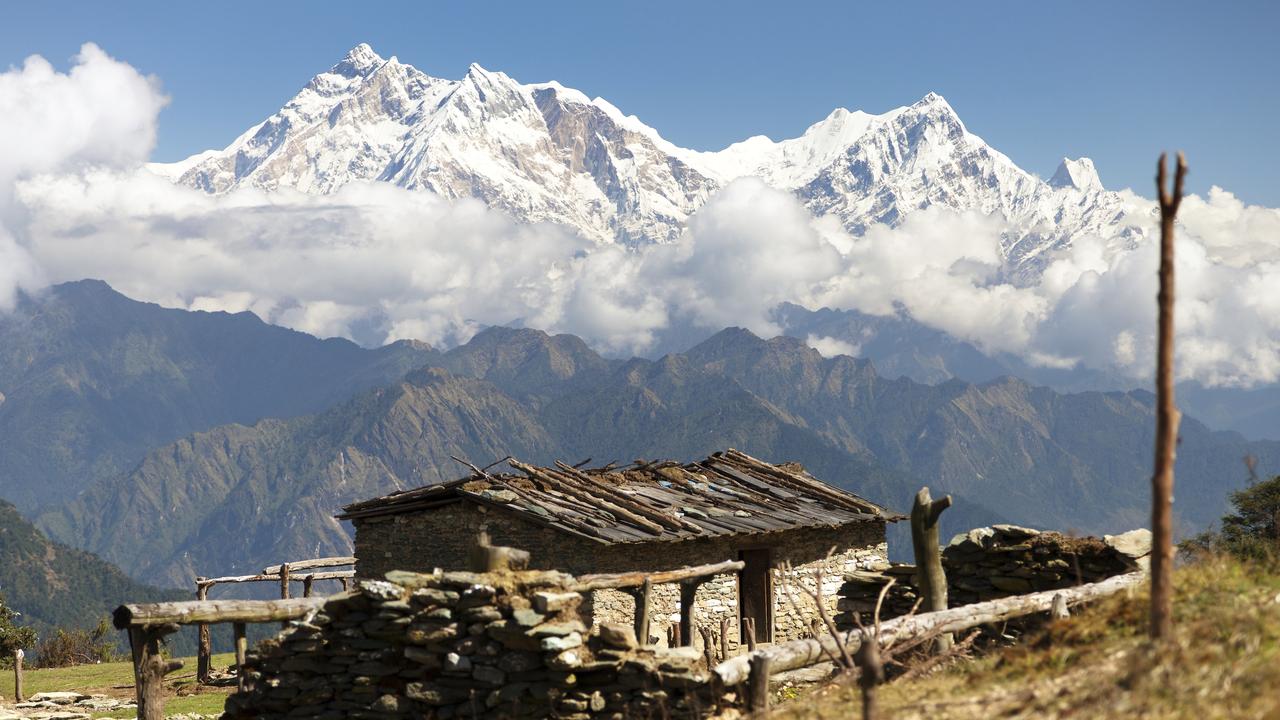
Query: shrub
point(12, 635)
point(77, 647)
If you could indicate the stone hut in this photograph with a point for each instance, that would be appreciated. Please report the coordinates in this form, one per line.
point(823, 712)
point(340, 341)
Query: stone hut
point(789, 529)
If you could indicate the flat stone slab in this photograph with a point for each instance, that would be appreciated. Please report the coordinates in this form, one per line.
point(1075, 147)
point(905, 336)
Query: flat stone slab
point(60, 698)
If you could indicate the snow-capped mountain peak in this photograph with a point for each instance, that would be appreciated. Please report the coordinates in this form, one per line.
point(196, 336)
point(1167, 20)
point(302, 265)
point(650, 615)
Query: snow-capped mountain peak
point(545, 152)
point(359, 61)
point(1076, 174)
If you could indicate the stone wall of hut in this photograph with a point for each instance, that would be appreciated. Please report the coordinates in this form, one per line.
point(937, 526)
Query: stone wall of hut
point(442, 538)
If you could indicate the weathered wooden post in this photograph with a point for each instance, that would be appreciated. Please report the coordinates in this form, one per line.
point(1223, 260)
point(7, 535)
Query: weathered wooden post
point(242, 649)
point(18, 692)
point(930, 577)
point(204, 652)
point(724, 639)
point(644, 610)
point(149, 668)
point(871, 673)
point(749, 629)
point(688, 591)
point(1167, 415)
point(758, 685)
point(306, 585)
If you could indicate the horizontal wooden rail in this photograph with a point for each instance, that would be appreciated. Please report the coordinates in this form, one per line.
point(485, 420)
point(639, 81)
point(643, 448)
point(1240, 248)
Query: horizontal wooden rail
point(803, 653)
point(310, 564)
point(637, 579)
point(331, 575)
point(194, 612)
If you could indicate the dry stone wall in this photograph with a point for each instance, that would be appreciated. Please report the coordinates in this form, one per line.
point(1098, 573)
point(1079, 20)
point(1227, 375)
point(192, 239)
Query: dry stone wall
point(461, 644)
point(999, 561)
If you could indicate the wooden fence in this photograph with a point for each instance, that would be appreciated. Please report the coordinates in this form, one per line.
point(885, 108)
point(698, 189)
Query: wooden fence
point(283, 574)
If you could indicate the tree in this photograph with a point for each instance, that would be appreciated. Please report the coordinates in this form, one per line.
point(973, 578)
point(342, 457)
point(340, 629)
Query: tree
point(12, 635)
point(1253, 530)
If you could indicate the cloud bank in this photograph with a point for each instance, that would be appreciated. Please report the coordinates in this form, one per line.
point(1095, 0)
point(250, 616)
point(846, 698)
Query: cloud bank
point(378, 263)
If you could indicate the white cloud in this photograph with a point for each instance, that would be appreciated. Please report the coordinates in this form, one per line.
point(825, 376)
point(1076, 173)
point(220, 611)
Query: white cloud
point(830, 347)
point(101, 112)
point(378, 263)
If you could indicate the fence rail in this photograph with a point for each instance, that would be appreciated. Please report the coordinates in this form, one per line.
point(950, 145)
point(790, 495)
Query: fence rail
point(803, 653)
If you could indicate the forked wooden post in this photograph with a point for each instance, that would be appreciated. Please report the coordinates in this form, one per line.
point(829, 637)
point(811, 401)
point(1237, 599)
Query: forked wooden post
point(688, 591)
point(204, 653)
point(1167, 415)
point(924, 540)
point(18, 692)
point(149, 668)
point(644, 611)
point(749, 630)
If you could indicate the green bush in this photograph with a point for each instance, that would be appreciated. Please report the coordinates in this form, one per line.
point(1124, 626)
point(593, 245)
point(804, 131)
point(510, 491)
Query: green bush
point(12, 635)
point(77, 647)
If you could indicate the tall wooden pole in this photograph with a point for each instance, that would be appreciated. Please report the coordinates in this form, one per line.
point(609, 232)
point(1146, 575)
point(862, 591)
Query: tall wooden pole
point(930, 577)
point(1167, 415)
point(204, 652)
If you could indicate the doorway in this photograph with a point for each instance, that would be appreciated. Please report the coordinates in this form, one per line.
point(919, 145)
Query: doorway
point(755, 593)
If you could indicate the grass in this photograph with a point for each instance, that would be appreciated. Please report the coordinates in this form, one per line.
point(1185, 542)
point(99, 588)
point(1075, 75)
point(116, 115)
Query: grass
point(1224, 662)
point(115, 679)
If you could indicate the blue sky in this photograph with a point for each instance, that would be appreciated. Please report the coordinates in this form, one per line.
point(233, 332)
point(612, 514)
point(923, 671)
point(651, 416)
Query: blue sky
point(1117, 81)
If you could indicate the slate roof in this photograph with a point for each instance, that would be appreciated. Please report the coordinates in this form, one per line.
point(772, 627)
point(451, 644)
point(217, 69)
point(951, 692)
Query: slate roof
point(729, 493)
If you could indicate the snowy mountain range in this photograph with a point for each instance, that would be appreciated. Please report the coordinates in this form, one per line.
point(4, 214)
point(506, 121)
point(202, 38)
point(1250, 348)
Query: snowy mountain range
point(544, 152)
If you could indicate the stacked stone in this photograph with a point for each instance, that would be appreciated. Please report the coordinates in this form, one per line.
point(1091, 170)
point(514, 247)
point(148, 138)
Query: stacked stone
point(999, 561)
point(459, 644)
point(1003, 560)
point(861, 590)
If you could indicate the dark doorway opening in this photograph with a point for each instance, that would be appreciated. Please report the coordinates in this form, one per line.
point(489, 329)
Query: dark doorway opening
point(755, 593)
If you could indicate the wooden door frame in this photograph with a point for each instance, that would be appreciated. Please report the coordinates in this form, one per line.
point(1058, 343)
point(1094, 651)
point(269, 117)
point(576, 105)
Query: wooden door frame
point(770, 551)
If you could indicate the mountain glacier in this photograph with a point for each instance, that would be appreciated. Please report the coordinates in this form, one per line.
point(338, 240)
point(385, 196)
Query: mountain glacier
point(546, 153)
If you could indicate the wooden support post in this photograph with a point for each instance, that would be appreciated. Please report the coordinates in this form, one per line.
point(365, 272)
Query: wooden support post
point(724, 639)
point(149, 669)
point(673, 636)
point(18, 692)
point(871, 673)
point(688, 590)
point(1167, 415)
point(242, 649)
point(204, 651)
point(930, 578)
point(644, 611)
point(708, 645)
point(758, 685)
point(306, 586)
point(284, 588)
point(346, 584)
point(749, 629)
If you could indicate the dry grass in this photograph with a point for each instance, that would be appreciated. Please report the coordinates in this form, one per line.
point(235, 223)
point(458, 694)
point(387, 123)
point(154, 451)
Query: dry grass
point(1224, 662)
